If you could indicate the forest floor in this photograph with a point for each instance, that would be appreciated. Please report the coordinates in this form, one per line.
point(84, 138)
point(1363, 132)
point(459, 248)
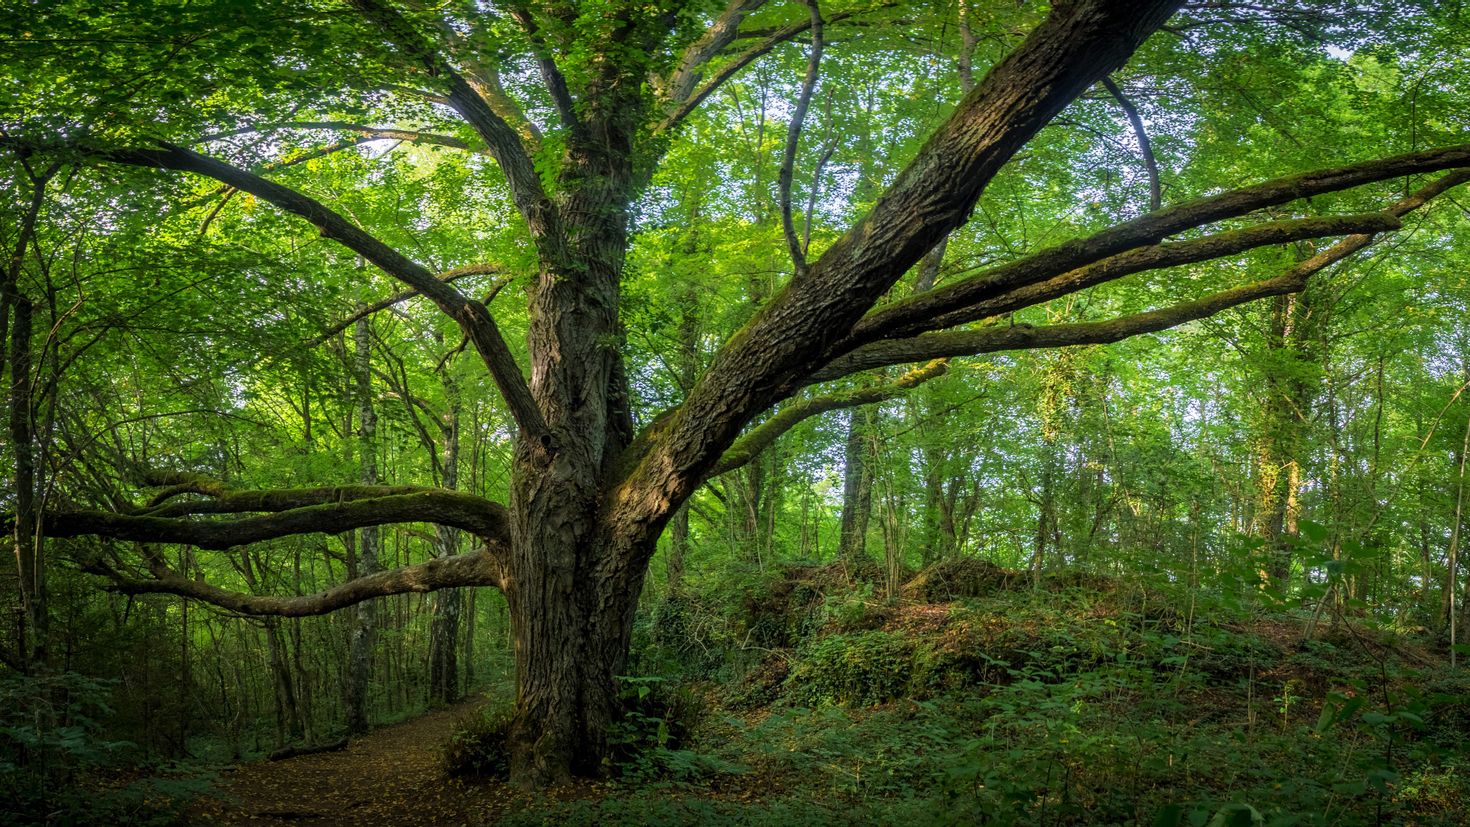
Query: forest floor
point(393, 775)
point(1076, 703)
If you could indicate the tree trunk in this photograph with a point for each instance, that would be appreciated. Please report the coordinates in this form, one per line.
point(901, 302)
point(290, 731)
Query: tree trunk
point(1290, 388)
point(678, 548)
point(857, 489)
point(27, 545)
point(444, 626)
point(288, 717)
point(360, 650)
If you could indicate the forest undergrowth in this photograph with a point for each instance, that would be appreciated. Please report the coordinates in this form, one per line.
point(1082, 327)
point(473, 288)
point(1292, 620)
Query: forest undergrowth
point(804, 695)
point(986, 697)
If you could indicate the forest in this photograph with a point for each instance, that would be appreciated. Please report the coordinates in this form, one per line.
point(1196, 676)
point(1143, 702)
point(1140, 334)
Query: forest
point(766, 412)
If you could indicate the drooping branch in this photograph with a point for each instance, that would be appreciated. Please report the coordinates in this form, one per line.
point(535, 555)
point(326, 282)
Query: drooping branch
point(1023, 337)
point(793, 141)
point(478, 516)
point(447, 277)
point(919, 313)
point(472, 316)
point(749, 446)
point(478, 568)
point(1145, 146)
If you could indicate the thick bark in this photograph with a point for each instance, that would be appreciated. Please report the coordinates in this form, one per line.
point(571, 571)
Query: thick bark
point(1072, 49)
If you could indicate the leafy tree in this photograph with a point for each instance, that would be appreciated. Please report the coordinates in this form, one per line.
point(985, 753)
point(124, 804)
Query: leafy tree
point(580, 125)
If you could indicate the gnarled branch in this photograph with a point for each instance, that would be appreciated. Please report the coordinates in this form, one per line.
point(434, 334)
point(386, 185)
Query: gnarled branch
point(296, 511)
point(478, 568)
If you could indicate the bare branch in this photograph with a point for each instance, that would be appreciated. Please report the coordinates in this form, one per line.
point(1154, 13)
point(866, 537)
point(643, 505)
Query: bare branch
point(793, 141)
point(1145, 146)
point(383, 304)
point(750, 446)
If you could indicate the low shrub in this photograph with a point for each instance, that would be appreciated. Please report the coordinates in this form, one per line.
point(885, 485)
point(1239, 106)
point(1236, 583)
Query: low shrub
point(853, 670)
point(478, 746)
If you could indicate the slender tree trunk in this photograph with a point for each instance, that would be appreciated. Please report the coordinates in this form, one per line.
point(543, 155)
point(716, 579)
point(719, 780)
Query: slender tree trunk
point(288, 716)
point(857, 489)
point(27, 545)
point(360, 648)
point(678, 548)
point(444, 685)
point(1452, 572)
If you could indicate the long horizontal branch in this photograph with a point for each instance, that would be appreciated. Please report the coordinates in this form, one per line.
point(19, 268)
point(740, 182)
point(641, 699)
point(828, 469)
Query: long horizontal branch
point(928, 311)
point(1023, 337)
point(750, 446)
point(225, 500)
point(414, 136)
point(478, 516)
point(478, 568)
point(1172, 254)
point(1003, 337)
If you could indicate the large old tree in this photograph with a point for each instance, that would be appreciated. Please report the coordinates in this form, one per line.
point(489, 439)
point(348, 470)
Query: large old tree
point(578, 104)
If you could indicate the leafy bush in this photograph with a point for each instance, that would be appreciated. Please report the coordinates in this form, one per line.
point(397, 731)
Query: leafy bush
point(853, 670)
point(53, 756)
point(478, 746)
point(651, 739)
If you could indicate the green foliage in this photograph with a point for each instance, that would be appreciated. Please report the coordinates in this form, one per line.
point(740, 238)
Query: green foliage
point(853, 670)
point(479, 745)
point(651, 740)
point(55, 762)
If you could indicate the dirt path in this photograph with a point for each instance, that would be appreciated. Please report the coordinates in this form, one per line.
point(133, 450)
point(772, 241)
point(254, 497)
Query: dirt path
point(391, 776)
